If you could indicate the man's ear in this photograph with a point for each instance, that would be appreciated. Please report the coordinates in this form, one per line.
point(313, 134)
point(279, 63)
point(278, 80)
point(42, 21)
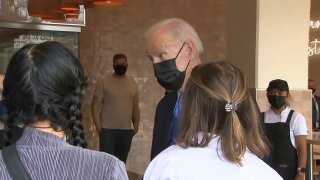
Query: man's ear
point(191, 48)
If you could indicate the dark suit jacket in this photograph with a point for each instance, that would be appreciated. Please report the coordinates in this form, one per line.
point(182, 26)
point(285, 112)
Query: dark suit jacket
point(162, 123)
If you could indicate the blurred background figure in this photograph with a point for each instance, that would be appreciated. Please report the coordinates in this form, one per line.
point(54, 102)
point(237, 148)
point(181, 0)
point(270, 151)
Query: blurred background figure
point(115, 109)
point(315, 105)
point(2, 111)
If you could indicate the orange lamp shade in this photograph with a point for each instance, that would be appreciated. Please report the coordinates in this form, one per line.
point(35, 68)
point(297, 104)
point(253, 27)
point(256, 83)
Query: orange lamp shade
point(58, 18)
point(108, 3)
point(72, 17)
point(71, 5)
point(75, 13)
point(41, 8)
point(59, 11)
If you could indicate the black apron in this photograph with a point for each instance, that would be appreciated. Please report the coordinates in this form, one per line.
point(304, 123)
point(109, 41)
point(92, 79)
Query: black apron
point(283, 157)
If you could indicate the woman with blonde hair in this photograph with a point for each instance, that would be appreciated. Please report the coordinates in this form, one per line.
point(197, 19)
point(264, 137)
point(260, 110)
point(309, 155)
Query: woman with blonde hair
point(221, 133)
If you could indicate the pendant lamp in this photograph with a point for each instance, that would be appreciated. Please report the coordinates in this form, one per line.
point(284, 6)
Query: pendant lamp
point(72, 17)
point(41, 8)
point(58, 18)
point(72, 5)
point(108, 3)
point(75, 13)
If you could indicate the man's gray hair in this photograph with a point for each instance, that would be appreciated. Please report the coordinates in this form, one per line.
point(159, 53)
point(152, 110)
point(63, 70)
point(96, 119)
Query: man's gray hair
point(180, 29)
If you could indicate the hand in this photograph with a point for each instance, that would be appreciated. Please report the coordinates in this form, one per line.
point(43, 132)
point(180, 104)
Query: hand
point(135, 131)
point(299, 177)
point(98, 128)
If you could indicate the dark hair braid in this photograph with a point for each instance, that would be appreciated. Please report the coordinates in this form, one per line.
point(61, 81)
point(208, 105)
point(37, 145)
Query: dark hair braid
point(75, 116)
point(8, 134)
point(19, 111)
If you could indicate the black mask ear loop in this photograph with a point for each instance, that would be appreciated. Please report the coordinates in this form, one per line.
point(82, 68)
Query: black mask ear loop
point(189, 59)
point(187, 65)
point(179, 51)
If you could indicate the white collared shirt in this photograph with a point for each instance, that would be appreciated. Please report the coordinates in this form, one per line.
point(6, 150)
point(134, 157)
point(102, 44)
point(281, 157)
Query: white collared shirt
point(298, 125)
point(176, 163)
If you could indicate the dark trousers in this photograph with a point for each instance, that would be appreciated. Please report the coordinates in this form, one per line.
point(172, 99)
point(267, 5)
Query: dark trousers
point(116, 142)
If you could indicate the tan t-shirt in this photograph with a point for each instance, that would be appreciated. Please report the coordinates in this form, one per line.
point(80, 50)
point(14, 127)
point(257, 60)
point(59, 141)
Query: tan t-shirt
point(117, 95)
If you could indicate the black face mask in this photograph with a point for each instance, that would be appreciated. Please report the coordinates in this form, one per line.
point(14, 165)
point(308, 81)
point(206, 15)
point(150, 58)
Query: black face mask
point(120, 69)
point(277, 101)
point(168, 75)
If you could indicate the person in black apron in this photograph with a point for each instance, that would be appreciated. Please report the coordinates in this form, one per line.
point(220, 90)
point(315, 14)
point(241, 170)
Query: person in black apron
point(289, 161)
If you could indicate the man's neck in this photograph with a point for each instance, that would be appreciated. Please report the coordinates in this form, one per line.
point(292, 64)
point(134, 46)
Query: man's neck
point(119, 76)
point(278, 111)
point(193, 63)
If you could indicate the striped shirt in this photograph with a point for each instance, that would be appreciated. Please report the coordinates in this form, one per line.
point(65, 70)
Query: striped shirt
point(48, 157)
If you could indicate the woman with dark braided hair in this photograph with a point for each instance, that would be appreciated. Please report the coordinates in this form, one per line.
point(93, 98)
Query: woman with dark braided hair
point(43, 87)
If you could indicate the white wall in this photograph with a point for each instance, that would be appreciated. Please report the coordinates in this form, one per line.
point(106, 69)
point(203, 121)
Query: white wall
point(282, 43)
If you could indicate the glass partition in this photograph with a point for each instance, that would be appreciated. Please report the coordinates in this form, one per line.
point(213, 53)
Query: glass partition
point(13, 39)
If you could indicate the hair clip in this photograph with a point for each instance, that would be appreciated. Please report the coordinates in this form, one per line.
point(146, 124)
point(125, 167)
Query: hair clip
point(232, 106)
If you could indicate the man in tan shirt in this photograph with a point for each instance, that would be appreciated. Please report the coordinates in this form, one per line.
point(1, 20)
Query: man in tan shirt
point(115, 110)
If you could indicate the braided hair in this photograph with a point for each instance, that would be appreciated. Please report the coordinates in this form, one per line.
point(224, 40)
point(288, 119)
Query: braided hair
point(44, 82)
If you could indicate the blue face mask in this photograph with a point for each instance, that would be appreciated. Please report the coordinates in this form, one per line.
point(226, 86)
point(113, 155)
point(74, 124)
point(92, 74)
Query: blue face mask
point(168, 75)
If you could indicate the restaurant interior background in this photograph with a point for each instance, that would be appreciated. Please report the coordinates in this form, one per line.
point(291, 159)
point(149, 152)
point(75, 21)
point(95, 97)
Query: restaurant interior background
point(109, 30)
point(112, 30)
point(314, 46)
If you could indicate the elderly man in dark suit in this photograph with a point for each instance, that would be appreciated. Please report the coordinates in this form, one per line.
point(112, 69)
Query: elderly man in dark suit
point(174, 48)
